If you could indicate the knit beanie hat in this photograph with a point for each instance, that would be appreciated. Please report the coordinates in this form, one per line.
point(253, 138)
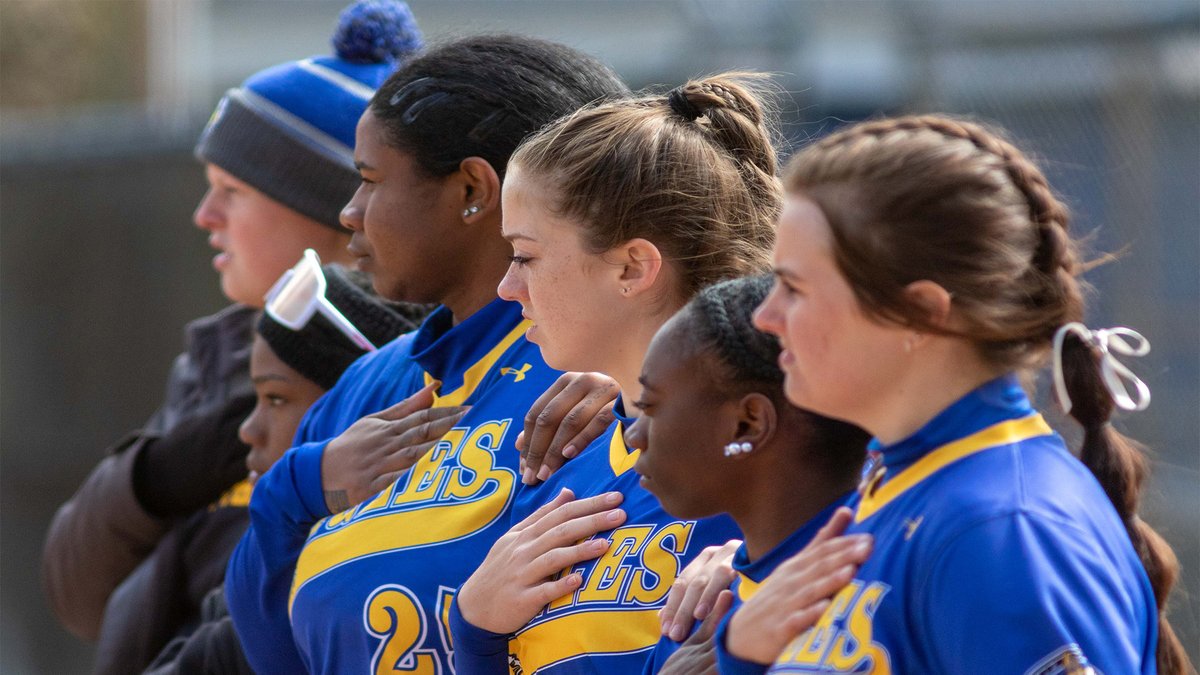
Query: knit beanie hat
point(320, 351)
point(289, 130)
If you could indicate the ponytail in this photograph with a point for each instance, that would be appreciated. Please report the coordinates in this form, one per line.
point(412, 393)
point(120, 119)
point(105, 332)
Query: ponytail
point(692, 171)
point(1119, 464)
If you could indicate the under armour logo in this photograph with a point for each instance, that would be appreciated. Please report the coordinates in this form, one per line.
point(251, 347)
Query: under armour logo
point(518, 374)
point(911, 525)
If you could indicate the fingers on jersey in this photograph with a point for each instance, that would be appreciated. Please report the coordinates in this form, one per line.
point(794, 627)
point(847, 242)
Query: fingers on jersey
point(520, 573)
point(838, 522)
point(720, 608)
point(369, 455)
point(697, 655)
point(696, 589)
point(426, 426)
point(418, 401)
point(565, 418)
point(793, 598)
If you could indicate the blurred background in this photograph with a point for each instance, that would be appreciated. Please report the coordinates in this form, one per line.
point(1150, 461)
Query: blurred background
point(100, 266)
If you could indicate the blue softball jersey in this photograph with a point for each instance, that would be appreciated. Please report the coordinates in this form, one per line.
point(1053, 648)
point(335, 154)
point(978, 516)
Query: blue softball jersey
point(368, 590)
point(996, 551)
point(610, 623)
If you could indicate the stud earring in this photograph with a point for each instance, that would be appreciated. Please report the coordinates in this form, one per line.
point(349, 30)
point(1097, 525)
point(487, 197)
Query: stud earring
point(470, 211)
point(732, 449)
point(625, 291)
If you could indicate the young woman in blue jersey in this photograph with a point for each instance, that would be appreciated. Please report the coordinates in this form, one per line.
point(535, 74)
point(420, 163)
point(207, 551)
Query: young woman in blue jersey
point(617, 216)
point(717, 435)
point(923, 265)
point(366, 589)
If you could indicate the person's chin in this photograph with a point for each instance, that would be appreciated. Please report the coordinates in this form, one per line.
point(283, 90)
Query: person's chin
point(552, 356)
point(676, 508)
point(793, 390)
point(236, 291)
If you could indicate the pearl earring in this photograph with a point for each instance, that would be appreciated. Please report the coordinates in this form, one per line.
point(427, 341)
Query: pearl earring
point(738, 449)
point(470, 211)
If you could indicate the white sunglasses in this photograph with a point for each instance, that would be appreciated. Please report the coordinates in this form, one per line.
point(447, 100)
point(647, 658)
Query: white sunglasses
point(300, 293)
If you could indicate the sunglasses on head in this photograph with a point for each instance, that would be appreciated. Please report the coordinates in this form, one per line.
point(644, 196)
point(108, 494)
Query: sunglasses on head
point(300, 293)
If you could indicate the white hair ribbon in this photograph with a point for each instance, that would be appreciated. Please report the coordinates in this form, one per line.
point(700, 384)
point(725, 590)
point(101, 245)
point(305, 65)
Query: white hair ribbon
point(1108, 341)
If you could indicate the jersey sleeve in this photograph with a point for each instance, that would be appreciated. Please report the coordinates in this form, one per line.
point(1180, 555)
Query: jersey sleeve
point(727, 663)
point(259, 577)
point(1024, 593)
point(476, 651)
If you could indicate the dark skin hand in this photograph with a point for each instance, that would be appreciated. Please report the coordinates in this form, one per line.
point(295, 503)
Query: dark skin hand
point(698, 654)
point(571, 414)
point(375, 450)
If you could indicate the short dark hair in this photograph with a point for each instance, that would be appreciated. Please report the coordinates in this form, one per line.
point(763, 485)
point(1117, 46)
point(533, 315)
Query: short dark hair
point(480, 96)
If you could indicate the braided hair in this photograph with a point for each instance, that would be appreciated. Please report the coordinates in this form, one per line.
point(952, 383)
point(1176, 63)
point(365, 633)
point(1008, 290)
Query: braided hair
point(480, 96)
point(742, 359)
point(954, 202)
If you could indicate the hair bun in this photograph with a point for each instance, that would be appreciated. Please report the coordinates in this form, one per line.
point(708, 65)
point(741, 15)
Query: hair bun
point(681, 105)
point(374, 31)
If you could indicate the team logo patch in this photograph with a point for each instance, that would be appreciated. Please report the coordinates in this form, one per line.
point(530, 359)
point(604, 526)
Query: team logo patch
point(1066, 660)
point(517, 373)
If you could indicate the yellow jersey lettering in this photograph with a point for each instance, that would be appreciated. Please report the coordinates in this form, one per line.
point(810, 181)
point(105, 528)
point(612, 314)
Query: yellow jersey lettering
point(841, 641)
point(426, 477)
point(660, 563)
point(379, 501)
point(445, 599)
point(638, 568)
point(454, 491)
point(393, 614)
point(615, 610)
point(859, 628)
point(608, 577)
point(815, 643)
point(475, 460)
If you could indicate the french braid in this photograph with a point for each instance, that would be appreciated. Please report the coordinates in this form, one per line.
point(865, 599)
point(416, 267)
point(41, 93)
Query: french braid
point(951, 201)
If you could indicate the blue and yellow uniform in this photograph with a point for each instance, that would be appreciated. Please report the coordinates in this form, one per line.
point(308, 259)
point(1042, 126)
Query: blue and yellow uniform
point(367, 590)
point(610, 623)
point(996, 551)
point(749, 576)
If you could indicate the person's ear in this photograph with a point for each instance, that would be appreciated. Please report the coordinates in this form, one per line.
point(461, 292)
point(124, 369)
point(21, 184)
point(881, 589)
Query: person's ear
point(755, 424)
point(640, 264)
point(934, 302)
point(479, 189)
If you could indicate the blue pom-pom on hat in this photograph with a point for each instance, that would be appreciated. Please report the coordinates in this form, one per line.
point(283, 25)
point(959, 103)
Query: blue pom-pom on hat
point(371, 31)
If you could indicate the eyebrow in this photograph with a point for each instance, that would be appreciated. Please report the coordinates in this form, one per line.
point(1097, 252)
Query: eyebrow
point(786, 274)
point(267, 378)
point(513, 236)
point(646, 383)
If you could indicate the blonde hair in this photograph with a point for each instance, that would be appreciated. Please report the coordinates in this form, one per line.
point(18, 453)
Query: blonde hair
point(692, 171)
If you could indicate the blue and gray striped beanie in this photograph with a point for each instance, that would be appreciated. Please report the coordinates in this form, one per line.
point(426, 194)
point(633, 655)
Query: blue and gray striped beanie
point(289, 130)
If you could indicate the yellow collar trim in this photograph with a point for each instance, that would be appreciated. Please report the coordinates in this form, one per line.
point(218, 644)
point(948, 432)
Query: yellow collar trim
point(747, 587)
point(475, 374)
point(1003, 433)
point(620, 457)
